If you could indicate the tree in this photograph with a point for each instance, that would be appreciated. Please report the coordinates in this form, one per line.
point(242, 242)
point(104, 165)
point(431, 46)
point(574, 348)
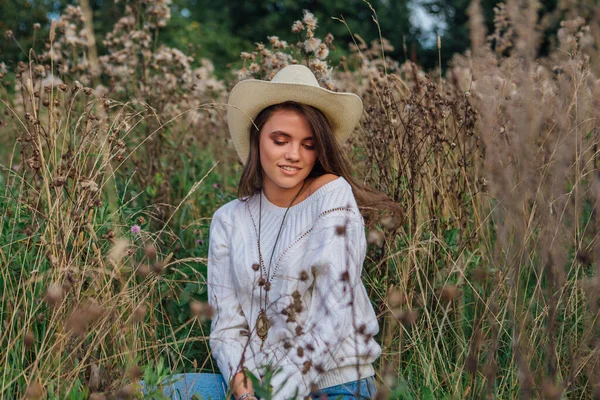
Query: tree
point(220, 30)
point(455, 39)
point(17, 21)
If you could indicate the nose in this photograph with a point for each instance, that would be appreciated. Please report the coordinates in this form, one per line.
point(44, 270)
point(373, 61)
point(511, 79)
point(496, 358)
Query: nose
point(293, 153)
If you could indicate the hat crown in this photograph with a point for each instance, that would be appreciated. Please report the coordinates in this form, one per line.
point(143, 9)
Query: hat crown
point(298, 74)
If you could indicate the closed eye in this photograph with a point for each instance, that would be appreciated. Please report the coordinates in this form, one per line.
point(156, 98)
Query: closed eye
point(278, 143)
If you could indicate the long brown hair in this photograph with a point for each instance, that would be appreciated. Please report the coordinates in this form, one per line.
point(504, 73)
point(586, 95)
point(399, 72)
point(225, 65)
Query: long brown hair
point(330, 159)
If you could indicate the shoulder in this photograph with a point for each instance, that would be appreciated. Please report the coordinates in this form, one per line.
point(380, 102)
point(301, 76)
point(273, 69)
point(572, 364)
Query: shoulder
point(337, 201)
point(226, 213)
point(321, 181)
point(333, 192)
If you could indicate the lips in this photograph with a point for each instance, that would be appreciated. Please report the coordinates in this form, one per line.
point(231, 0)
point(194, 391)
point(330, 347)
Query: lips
point(289, 170)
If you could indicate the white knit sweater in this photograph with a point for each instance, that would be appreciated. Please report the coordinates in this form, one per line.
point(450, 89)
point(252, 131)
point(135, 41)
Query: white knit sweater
point(315, 257)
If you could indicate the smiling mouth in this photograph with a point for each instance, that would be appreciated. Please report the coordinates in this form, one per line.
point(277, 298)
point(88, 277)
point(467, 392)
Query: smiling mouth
point(291, 169)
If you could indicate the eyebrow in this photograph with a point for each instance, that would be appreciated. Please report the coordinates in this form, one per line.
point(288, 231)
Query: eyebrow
point(287, 135)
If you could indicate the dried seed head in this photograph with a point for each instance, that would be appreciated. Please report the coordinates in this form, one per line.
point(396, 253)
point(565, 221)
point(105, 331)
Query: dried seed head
point(298, 306)
point(261, 281)
point(267, 286)
point(551, 391)
point(76, 324)
point(389, 223)
point(489, 371)
point(201, 310)
point(143, 270)
point(407, 318)
point(303, 275)
point(52, 30)
point(29, 339)
point(54, 295)
point(158, 267)
point(34, 391)
point(471, 364)
point(449, 293)
point(478, 339)
point(389, 375)
point(306, 367)
point(93, 311)
point(340, 230)
point(118, 250)
point(395, 298)
point(150, 252)
point(126, 392)
point(345, 277)
point(375, 238)
point(584, 257)
point(134, 373)
point(383, 393)
point(297, 27)
point(479, 274)
point(362, 329)
point(255, 267)
point(300, 351)
point(299, 330)
point(139, 313)
point(596, 391)
point(309, 20)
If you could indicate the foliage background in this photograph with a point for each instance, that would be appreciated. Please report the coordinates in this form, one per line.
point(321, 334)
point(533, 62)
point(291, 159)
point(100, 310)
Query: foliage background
point(487, 287)
point(219, 31)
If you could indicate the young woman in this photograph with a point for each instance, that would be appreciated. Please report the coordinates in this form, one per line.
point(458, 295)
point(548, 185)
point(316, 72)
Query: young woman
point(285, 259)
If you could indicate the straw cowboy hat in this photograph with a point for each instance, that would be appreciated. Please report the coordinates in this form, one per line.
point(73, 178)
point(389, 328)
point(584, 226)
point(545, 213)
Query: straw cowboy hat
point(292, 83)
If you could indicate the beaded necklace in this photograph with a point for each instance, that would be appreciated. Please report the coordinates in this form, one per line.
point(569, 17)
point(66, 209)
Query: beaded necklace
point(262, 321)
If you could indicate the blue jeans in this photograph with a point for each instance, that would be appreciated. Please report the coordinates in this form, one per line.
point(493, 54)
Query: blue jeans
point(204, 386)
point(365, 389)
point(207, 386)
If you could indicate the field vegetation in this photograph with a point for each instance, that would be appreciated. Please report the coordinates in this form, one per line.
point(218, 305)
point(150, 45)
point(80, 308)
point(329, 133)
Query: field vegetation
point(111, 167)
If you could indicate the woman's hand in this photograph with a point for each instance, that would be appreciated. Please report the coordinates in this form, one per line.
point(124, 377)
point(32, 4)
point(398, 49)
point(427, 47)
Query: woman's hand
point(241, 385)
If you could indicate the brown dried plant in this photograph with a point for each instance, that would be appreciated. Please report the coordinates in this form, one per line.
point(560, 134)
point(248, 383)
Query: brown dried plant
point(310, 50)
point(78, 290)
point(487, 288)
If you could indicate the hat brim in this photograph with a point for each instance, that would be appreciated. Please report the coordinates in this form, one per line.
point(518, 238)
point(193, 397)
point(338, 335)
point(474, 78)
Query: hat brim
point(249, 97)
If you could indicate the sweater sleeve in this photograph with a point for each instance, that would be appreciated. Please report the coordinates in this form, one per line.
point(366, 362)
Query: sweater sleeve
point(336, 254)
point(229, 340)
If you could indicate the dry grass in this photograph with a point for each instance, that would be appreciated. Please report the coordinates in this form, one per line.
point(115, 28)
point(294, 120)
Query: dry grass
point(487, 288)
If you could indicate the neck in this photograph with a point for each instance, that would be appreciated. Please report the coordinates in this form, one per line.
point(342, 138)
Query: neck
point(282, 197)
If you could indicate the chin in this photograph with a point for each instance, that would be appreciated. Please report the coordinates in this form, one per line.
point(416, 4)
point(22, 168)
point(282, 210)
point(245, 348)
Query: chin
point(288, 183)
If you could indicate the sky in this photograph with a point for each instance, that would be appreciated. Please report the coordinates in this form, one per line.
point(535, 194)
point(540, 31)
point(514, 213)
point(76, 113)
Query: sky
point(430, 25)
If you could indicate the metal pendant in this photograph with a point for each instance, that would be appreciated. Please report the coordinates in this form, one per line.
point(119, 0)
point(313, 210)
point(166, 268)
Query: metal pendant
point(262, 326)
